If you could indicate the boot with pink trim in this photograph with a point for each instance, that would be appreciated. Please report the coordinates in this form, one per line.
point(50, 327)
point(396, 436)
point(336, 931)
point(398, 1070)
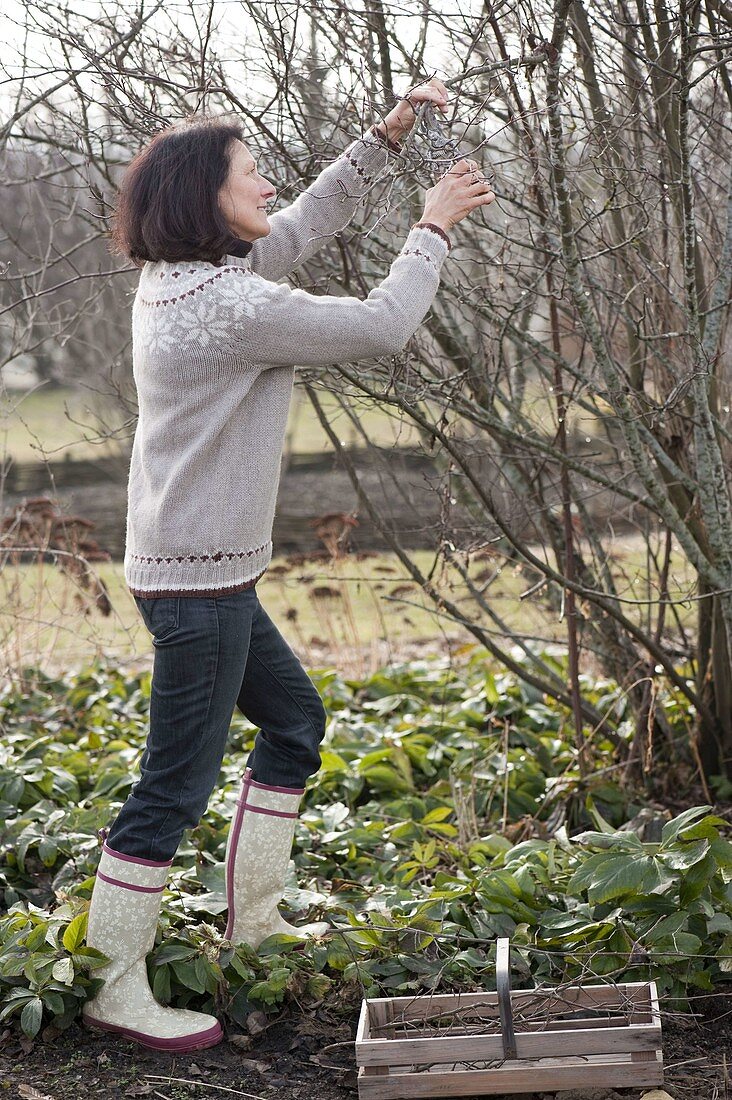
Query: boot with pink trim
point(123, 918)
point(257, 857)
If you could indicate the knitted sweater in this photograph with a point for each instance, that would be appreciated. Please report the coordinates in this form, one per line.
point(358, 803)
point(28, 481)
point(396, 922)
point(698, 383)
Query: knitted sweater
point(214, 353)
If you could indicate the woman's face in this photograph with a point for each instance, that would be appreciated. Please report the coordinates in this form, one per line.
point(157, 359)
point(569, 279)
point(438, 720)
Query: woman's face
point(244, 194)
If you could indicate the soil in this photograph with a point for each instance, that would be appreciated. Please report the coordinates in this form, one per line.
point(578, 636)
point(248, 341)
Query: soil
point(304, 1057)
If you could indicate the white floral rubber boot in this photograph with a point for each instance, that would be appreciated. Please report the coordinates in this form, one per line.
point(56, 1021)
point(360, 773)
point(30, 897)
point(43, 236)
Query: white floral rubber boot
point(257, 857)
point(123, 918)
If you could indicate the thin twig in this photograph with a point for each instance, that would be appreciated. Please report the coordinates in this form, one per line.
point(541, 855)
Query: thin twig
point(207, 1084)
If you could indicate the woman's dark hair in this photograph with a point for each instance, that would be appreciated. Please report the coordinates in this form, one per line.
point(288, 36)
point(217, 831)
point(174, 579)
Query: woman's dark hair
point(167, 207)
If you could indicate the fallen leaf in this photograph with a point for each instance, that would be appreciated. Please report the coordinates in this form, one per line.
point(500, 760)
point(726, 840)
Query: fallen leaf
point(656, 1094)
point(241, 1042)
point(27, 1092)
point(310, 1025)
point(194, 1070)
point(254, 1065)
point(256, 1022)
point(139, 1090)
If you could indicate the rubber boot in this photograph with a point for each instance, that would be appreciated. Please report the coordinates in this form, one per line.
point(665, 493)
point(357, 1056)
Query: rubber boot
point(123, 918)
point(257, 857)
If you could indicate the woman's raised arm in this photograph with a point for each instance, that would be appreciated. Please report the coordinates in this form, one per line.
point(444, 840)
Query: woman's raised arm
point(324, 208)
point(276, 325)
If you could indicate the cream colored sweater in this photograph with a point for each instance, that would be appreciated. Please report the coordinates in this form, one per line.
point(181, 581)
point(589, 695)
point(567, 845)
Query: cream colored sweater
point(214, 353)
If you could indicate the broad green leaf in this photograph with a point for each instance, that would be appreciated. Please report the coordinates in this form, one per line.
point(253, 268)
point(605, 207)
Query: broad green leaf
point(30, 1017)
point(676, 948)
point(187, 975)
point(627, 842)
point(722, 851)
point(37, 936)
point(76, 931)
point(242, 968)
point(683, 856)
point(720, 922)
point(667, 926)
point(63, 971)
point(697, 878)
point(672, 828)
point(491, 691)
point(205, 974)
point(440, 813)
point(53, 1001)
point(15, 1000)
point(161, 984)
point(587, 872)
point(173, 952)
point(89, 958)
point(48, 851)
point(708, 828)
point(331, 762)
point(615, 876)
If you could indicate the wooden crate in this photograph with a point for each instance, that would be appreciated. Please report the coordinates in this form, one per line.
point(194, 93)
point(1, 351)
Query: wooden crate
point(533, 1040)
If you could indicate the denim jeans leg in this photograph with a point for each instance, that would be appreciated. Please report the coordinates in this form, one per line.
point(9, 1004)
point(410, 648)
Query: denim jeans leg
point(197, 674)
point(278, 696)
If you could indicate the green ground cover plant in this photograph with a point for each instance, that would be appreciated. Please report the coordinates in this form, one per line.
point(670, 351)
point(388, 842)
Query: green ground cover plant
point(449, 810)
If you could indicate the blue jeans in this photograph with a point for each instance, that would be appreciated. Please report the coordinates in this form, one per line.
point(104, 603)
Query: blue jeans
point(213, 654)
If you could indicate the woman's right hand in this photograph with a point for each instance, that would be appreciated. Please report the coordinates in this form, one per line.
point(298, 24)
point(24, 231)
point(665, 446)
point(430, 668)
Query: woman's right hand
point(461, 190)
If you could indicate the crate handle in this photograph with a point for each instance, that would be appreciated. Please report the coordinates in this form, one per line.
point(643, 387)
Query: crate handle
point(503, 989)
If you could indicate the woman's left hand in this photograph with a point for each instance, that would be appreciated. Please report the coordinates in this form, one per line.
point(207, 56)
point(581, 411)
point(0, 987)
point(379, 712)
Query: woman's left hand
point(401, 118)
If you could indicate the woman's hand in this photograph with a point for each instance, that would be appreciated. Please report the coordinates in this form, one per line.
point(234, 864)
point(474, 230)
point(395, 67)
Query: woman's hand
point(400, 119)
point(461, 190)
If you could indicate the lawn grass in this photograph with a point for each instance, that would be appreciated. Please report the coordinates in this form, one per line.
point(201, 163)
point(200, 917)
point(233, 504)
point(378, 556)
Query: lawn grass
point(67, 421)
point(64, 422)
point(55, 423)
point(336, 606)
point(358, 611)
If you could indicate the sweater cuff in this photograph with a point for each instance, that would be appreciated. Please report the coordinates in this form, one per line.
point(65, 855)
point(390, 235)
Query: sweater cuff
point(423, 242)
point(435, 229)
point(393, 145)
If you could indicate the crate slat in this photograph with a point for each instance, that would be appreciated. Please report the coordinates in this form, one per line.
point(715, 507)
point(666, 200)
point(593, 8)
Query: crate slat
point(633, 995)
point(363, 1031)
point(538, 1044)
point(382, 1013)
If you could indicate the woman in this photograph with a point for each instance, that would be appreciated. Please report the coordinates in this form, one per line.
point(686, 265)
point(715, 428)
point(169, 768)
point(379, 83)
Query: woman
point(215, 337)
